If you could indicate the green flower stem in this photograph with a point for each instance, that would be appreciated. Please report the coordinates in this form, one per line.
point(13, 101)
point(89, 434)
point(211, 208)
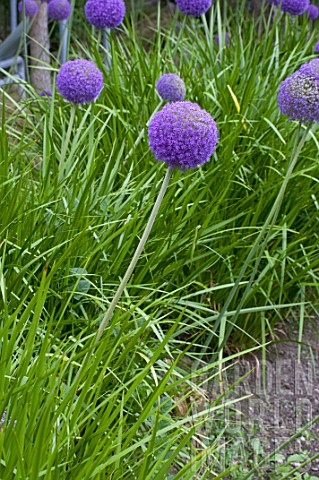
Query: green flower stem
point(66, 143)
point(136, 256)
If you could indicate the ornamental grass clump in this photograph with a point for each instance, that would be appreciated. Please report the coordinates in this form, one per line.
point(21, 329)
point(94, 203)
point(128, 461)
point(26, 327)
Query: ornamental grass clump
point(30, 7)
point(59, 9)
point(196, 8)
point(105, 13)
point(171, 87)
point(183, 136)
point(294, 7)
point(226, 40)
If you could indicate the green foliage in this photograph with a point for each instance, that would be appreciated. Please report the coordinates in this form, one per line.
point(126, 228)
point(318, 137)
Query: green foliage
point(69, 229)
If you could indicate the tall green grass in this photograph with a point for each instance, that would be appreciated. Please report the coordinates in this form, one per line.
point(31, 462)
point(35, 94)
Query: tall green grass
point(68, 234)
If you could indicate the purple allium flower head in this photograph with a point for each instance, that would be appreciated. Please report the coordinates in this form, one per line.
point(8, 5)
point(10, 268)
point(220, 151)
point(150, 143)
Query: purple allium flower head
point(105, 13)
point(79, 81)
point(59, 9)
point(183, 135)
point(298, 95)
point(316, 48)
point(312, 12)
point(194, 7)
point(171, 87)
point(227, 39)
point(294, 7)
point(30, 7)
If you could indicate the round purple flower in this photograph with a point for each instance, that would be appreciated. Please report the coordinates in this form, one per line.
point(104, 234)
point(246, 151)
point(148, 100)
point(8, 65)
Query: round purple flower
point(294, 7)
point(316, 48)
point(194, 7)
point(79, 81)
point(183, 135)
point(171, 87)
point(105, 13)
point(298, 95)
point(227, 39)
point(30, 7)
point(312, 12)
point(59, 9)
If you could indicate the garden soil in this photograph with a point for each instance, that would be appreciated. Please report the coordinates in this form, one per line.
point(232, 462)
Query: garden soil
point(283, 397)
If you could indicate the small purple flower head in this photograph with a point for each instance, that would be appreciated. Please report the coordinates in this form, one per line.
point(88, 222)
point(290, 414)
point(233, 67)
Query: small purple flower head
point(171, 87)
point(194, 7)
point(227, 40)
point(294, 7)
point(183, 135)
point(46, 93)
point(298, 95)
point(105, 13)
point(312, 12)
point(30, 7)
point(59, 9)
point(316, 48)
point(79, 81)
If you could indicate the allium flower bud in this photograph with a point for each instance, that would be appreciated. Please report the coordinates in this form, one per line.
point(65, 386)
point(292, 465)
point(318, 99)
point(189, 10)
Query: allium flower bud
point(194, 7)
point(227, 39)
point(312, 12)
point(171, 87)
point(294, 7)
point(79, 81)
point(30, 7)
point(298, 95)
point(183, 135)
point(105, 13)
point(316, 48)
point(59, 9)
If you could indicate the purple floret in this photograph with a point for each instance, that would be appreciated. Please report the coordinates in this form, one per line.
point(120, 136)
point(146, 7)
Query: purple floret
point(46, 93)
point(227, 39)
point(105, 13)
point(30, 7)
point(59, 9)
point(316, 48)
point(194, 7)
point(183, 135)
point(294, 7)
point(171, 87)
point(79, 81)
point(311, 68)
point(298, 95)
point(312, 12)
